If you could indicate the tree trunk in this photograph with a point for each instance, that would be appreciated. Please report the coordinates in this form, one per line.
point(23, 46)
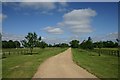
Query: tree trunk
point(31, 49)
point(99, 51)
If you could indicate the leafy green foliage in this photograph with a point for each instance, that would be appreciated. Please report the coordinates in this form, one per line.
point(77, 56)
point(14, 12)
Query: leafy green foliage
point(31, 41)
point(74, 43)
point(10, 44)
point(87, 44)
point(64, 45)
point(43, 44)
point(105, 44)
point(17, 44)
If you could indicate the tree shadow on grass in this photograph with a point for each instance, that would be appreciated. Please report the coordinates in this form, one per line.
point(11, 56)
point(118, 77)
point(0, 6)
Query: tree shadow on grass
point(33, 53)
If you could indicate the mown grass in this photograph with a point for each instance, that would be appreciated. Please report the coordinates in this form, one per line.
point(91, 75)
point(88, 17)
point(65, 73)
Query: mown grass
point(103, 66)
point(20, 51)
point(25, 66)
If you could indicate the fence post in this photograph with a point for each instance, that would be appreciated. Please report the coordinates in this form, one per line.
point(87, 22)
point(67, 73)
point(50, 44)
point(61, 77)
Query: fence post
point(21, 51)
point(118, 53)
point(113, 52)
point(110, 52)
point(3, 53)
point(99, 52)
point(18, 52)
point(24, 52)
point(9, 52)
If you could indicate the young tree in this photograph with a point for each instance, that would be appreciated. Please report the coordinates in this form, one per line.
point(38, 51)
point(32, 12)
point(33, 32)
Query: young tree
point(24, 43)
point(38, 42)
point(74, 43)
point(83, 45)
point(30, 41)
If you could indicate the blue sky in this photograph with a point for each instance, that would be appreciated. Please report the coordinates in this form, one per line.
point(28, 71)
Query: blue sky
point(60, 21)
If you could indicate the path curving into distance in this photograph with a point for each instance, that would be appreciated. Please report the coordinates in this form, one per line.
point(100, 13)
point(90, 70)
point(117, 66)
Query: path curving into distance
point(61, 66)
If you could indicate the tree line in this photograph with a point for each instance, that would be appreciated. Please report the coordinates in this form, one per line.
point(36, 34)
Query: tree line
point(32, 40)
point(10, 44)
point(89, 44)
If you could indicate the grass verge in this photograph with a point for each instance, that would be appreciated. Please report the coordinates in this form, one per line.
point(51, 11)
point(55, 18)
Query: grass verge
point(103, 66)
point(25, 66)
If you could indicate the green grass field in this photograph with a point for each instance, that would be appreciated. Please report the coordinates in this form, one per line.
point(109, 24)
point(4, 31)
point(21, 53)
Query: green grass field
point(25, 66)
point(103, 66)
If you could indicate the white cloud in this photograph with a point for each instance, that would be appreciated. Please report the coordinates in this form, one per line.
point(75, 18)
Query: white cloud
point(42, 5)
point(53, 30)
point(64, 4)
point(46, 12)
point(79, 21)
point(38, 5)
point(111, 36)
point(2, 17)
point(43, 38)
point(76, 21)
point(14, 37)
point(56, 40)
point(62, 10)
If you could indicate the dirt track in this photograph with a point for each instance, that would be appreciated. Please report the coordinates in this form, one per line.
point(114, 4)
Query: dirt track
point(61, 66)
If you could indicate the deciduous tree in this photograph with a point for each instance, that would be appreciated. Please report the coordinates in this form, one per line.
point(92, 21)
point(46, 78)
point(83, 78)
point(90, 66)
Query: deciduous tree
point(30, 41)
point(74, 43)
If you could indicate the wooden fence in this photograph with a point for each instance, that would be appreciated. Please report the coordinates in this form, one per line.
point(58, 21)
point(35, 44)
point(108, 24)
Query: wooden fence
point(107, 52)
point(8, 53)
point(19, 51)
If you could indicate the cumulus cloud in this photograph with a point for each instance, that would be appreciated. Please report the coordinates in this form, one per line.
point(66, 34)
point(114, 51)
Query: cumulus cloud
point(79, 21)
point(56, 40)
point(62, 10)
point(39, 5)
point(14, 37)
point(53, 30)
point(2, 17)
point(111, 36)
